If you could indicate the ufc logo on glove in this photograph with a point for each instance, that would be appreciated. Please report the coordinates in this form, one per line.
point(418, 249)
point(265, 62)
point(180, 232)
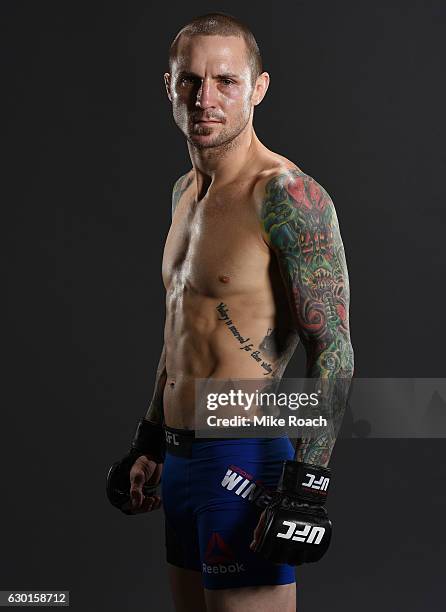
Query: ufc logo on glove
point(296, 529)
point(320, 485)
point(309, 533)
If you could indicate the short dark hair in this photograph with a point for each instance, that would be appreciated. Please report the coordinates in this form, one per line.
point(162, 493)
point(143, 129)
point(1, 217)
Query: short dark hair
point(221, 24)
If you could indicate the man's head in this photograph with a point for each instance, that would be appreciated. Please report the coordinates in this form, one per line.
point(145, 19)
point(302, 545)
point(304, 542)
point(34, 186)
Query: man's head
point(215, 79)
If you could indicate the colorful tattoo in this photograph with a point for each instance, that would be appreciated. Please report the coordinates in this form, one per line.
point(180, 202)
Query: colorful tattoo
point(301, 226)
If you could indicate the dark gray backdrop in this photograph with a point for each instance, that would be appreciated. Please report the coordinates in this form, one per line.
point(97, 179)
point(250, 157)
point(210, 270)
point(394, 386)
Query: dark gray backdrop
point(357, 100)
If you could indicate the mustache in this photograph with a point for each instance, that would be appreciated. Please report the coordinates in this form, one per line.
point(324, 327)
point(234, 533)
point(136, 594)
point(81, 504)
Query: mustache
point(208, 117)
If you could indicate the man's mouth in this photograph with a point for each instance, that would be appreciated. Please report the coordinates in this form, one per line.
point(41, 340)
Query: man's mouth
point(204, 120)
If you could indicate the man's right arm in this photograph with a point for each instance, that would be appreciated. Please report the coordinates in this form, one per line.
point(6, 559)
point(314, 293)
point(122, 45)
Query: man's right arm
point(179, 188)
point(142, 464)
point(155, 412)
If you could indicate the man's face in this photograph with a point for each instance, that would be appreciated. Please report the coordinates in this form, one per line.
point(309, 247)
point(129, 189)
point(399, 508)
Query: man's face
point(211, 89)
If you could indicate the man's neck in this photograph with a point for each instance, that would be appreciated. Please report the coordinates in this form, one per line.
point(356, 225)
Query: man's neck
point(222, 163)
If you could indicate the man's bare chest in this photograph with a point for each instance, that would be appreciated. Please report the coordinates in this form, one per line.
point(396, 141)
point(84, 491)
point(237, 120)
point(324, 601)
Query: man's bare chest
point(215, 246)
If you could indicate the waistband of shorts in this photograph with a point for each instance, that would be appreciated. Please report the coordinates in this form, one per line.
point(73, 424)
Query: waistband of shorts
point(180, 441)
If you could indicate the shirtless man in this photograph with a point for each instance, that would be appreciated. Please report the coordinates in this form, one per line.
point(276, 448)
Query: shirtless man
point(251, 230)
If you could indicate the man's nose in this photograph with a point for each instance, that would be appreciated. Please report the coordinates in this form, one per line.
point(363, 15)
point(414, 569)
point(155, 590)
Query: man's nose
point(206, 95)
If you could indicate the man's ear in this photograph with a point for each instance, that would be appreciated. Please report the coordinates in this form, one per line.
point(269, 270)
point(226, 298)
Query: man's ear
point(260, 88)
point(167, 81)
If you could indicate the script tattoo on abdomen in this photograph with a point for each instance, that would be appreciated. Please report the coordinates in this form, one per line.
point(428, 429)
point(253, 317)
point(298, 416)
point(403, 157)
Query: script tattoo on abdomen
point(246, 345)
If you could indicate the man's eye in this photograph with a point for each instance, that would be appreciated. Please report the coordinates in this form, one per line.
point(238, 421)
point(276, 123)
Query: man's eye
point(227, 82)
point(186, 80)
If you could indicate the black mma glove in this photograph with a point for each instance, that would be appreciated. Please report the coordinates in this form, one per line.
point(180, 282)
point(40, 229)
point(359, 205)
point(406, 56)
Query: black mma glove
point(296, 528)
point(149, 440)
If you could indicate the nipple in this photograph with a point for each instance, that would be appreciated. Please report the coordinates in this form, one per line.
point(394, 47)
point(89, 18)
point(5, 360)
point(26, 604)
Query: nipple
point(223, 279)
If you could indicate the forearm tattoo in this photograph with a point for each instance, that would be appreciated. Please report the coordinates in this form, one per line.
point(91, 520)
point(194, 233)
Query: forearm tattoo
point(301, 226)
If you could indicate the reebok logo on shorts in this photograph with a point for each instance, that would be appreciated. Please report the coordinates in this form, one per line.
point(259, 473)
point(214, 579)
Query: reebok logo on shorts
point(219, 558)
point(232, 568)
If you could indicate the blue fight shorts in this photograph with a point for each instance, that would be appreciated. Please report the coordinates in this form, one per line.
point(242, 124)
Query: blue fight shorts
point(213, 493)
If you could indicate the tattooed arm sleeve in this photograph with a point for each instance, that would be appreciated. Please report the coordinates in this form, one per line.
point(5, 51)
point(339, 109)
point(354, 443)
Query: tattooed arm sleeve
point(300, 225)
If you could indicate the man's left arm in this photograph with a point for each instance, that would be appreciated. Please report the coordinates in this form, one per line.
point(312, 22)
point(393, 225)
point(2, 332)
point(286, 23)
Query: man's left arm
point(300, 225)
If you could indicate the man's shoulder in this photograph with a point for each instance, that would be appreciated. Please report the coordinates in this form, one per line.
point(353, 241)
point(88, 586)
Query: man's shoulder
point(180, 186)
point(183, 179)
point(285, 184)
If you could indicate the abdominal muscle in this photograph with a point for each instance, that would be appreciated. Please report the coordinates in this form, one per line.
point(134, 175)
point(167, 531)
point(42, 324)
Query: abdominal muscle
point(219, 339)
